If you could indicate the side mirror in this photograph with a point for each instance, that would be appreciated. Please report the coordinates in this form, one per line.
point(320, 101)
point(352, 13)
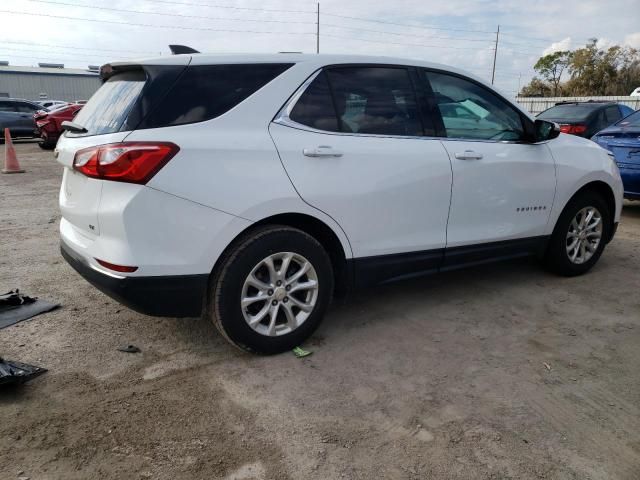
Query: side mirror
point(546, 130)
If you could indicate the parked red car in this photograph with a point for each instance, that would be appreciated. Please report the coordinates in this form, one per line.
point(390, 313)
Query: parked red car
point(49, 124)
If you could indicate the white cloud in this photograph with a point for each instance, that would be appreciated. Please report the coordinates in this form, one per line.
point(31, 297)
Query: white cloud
point(632, 40)
point(564, 44)
point(604, 43)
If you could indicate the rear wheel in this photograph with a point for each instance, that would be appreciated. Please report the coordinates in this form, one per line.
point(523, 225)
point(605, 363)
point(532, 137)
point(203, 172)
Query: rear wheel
point(45, 142)
point(580, 235)
point(271, 290)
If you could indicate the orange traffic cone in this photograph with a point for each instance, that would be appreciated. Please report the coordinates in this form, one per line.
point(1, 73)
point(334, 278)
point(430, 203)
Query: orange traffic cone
point(11, 164)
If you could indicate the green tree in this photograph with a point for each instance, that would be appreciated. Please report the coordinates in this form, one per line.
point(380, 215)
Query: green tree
point(552, 66)
point(593, 72)
point(536, 88)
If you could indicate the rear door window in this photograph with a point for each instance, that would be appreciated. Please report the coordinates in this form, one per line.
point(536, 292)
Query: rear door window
point(7, 107)
point(315, 106)
point(26, 108)
point(375, 100)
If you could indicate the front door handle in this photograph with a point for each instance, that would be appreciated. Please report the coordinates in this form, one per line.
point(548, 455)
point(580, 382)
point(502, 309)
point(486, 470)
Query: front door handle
point(321, 151)
point(468, 155)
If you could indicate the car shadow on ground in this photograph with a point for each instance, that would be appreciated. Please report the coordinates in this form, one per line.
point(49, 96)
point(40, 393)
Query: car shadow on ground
point(631, 208)
point(389, 303)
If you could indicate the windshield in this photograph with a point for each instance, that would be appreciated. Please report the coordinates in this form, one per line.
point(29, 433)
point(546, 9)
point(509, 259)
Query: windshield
point(569, 113)
point(108, 108)
point(632, 120)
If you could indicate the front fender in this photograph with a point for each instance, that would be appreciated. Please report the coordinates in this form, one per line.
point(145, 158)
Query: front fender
point(580, 162)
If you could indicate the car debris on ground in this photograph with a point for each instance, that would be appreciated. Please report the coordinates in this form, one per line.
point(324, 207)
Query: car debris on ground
point(129, 349)
point(16, 307)
point(12, 373)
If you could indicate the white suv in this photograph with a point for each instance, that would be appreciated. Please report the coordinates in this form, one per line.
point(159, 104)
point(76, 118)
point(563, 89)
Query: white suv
point(252, 188)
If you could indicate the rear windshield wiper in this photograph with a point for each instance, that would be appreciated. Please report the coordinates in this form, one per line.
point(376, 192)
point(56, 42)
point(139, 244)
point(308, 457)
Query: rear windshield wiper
point(73, 127)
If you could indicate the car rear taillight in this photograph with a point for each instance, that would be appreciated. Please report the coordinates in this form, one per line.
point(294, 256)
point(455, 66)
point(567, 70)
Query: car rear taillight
point(131, 162)
point(573, 129)
point(116, 268)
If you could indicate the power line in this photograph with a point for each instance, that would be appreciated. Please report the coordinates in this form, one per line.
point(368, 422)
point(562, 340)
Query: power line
point(404, 44)
point(73, 47)
point(123, 10)
point(362, 19)
point(154, 26)
point(208, 5)
point(56, 58)
point(546, 40)
point(403, 34)
point(3, 49)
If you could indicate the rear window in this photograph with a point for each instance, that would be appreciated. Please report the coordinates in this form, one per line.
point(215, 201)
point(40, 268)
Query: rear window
point(168, 96)
point(569, 113)
point(108, 108)
point(632, 120)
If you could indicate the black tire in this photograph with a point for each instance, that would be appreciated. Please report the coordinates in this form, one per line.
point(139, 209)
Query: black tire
point(45, 145)
point(556, 258)
point(228, 280)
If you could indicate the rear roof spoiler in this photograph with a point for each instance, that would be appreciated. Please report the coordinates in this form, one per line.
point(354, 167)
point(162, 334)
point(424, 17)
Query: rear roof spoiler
point(180, 49)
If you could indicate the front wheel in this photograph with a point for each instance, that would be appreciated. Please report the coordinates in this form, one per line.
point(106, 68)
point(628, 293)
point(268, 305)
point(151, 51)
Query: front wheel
point(271, 290)
point(580, 235)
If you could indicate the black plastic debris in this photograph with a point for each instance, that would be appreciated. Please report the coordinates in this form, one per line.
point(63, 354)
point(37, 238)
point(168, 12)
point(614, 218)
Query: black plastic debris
point(15, 307)
point(129, 349)
point(16, 372)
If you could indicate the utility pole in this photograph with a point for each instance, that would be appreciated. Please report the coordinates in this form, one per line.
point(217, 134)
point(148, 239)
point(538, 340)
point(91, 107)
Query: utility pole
point(495, 55)
point(519, 80)
point(318, 29)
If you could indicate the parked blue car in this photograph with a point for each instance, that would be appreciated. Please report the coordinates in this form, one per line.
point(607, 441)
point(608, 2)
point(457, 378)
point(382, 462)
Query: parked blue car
point(623, 139)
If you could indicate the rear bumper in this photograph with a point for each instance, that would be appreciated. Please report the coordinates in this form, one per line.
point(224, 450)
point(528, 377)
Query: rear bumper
point(161, 296)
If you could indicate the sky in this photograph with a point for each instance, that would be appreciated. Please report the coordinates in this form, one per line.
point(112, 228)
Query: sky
point(460, 33)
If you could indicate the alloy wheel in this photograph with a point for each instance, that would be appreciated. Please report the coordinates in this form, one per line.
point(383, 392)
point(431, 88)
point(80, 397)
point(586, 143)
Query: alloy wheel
point(279, 294)
point(584, 235)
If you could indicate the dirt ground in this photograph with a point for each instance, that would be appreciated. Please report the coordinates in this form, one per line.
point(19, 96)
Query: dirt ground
point(504, 372)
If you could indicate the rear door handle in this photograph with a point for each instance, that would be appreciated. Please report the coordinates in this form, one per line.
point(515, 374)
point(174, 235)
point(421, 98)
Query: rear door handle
point(468, 155)
point(321, 151)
